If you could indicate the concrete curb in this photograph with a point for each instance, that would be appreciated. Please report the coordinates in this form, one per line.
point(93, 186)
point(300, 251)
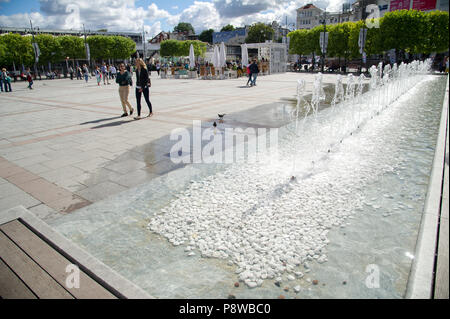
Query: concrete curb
point(421, 278)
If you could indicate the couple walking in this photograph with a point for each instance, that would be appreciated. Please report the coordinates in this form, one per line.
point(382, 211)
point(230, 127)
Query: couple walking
point(124, 79)
point(252, 72)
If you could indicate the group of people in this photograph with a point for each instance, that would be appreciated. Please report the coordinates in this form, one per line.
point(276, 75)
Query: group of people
point(5, 80)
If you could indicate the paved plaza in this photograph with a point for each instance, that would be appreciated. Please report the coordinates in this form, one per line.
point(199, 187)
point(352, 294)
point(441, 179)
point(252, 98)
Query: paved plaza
point(63, 144)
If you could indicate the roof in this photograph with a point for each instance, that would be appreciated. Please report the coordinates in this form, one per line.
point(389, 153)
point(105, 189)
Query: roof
point(309, 6)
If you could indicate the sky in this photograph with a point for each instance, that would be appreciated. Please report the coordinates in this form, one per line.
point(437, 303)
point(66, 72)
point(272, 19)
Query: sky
point(152, 16)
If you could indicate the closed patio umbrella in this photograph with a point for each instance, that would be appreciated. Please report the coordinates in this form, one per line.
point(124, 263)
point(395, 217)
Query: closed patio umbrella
point(244, 50)
point(223, 55)
point(191, 57)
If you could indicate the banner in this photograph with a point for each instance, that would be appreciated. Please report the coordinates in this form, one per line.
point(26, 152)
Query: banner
point(399, 5)
point(37, 52)
point(424, 5)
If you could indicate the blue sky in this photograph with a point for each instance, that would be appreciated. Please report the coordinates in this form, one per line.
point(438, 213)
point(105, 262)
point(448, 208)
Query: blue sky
point(154, 16)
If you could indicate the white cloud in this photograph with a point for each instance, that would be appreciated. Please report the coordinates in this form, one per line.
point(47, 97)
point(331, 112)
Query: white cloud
point(124, 15)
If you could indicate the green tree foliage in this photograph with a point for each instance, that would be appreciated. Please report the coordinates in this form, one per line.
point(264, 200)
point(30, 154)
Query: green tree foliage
point(121, 47)
point(405, 30)
point(206, 36)
point(17, 49)
point(181, 48)
point(299, 42)
point(437, 33)
point(100, 47)
point(338, 40)
point(259, 33)
point(184, 27)
point(313, 40)
point(353, 39)
point(228, 27)
point(402, 29)
point(50, 49)
point(72, 47)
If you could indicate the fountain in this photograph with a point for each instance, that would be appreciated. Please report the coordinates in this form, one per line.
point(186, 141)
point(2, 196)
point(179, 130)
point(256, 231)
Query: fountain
point(257, 256)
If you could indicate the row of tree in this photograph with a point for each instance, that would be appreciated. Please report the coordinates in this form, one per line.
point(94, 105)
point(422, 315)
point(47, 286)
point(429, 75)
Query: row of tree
point(18, 49)
point(409, 31)
point(181, 48)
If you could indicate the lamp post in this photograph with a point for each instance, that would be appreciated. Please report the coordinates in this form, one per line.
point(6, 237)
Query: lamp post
point(36, 51)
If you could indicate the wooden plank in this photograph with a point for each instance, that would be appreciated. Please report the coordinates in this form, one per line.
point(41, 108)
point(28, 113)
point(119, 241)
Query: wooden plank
point(41, 283)
point(53, 262)
point(11, 287)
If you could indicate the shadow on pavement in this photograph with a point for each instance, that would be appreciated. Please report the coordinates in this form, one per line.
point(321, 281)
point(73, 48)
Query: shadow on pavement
point(101, 120)
point(118, 123)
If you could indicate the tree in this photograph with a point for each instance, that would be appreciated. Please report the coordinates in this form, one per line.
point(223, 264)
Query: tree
point(100, 46)
point(338, 40)
point(18, 50)
point(403, 30)
point(437, 33)
point(299, 42)
point(259, 33)
point(181, 48)
point(50, 49)
point(121, 47)
point(206, 36)
point(72, 47)
point(170, 48)
point(228, 27)
point(184, 27)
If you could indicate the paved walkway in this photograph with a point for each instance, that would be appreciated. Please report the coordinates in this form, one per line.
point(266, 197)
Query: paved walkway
point(64, 146)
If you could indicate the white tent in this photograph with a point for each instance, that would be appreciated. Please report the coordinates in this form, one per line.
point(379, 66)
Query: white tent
point(191, 57)
point(244, 50)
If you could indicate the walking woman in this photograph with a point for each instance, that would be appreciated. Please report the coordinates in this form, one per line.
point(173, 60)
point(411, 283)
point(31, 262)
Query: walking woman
point(124, 80)
point(142, 84)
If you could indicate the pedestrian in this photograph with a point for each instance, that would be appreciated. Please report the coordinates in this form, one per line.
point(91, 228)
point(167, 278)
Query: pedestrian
point(79, 73)
point(5, 80)
point(71, 72)
point(158, 67)
point(29, 79)
point(249, 74)
point(254, 70)
point(113, 71)
point(124, 80)
point(98, 75)
point(104, 74)
point(86, 73)
point(142, 86)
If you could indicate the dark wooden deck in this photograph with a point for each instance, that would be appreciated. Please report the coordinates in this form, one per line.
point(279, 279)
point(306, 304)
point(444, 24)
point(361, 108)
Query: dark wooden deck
point(30, 268)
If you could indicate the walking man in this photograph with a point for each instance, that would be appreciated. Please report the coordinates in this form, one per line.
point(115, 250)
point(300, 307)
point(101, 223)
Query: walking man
point(254, 70)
